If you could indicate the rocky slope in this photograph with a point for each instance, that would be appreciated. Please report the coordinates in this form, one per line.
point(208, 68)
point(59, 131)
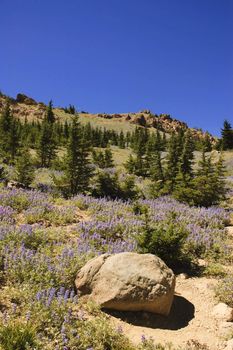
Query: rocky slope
point(26, 107)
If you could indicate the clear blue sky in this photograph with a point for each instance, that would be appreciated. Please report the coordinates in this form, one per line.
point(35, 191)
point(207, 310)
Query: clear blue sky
point(170, 56)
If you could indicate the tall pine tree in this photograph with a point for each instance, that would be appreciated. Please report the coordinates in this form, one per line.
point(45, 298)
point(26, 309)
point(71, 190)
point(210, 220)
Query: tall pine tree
point(47, 140)
point(77, 165)
point(227, 136)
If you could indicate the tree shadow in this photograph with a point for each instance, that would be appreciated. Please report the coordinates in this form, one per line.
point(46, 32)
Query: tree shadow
point(182, 312)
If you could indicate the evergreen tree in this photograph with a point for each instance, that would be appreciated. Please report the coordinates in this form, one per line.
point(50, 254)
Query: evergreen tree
point(98, 158)
point(108, 158)
point(227, 136)
point(47, 140)
point(156, 169)
point(206, 143)
point(14, 139)
point(9, 135)
point(50, 117)
point(121, 141)
point(107, 185)
point(47, 144)
point(183, 183)
point(77, 166)
point(66, 130)
point(187, 156)
point(173, 156)
point(24, 168)
point(130, 165)
point(208, 186)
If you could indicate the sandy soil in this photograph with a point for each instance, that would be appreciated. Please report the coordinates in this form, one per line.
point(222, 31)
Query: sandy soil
point(190, 317)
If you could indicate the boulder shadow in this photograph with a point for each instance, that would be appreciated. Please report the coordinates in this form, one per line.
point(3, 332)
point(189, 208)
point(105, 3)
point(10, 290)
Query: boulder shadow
point(182, 312)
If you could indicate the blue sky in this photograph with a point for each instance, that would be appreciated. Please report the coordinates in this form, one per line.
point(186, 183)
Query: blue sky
point(170, 56)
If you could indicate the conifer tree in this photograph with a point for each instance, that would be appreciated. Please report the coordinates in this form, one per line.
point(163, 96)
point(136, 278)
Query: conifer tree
point(208, 186)
point(227, 136)
point(173, 156)
point(206, 143)
point(50, 117)
point(47, 145)
point(24, 168)
point(121, 141)
point(47, 140)
point(156, 168)
point(187, 156)
point(14, 139)
point(77, 165)
point(9, 135)
point(108, 158)
point(66, 130)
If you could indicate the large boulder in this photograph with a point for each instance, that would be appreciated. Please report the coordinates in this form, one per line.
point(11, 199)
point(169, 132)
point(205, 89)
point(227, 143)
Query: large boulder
point(128, 282)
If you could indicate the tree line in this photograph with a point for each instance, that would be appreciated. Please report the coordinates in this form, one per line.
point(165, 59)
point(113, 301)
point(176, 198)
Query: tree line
point(167, 162)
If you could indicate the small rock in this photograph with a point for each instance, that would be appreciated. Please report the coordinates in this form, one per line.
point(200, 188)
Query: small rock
point(223, 312)
point(229, 345)
point(230, 230)
point(202, 263)
point(183, 276)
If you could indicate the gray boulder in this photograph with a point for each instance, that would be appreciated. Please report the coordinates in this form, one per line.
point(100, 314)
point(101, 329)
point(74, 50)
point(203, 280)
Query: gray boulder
point(128, 282)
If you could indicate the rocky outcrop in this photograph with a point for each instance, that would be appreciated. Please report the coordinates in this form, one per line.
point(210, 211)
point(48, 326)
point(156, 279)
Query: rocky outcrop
point(128, 282)
point(24, 106)
point(21, 98)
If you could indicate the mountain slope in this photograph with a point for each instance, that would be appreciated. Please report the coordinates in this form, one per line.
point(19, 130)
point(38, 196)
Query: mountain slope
point(26, 107)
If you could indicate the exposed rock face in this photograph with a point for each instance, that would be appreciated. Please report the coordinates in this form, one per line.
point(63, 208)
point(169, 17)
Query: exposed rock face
point(128, 282)
point(21, 98)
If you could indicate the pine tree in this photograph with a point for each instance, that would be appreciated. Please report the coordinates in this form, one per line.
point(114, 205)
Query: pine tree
point(108, 158)
point(66, 130)
point(121, 141)
point(227, 136)
point(173, 156)
point(9, 135)
point(187, 156)
point(206, 143)
point(77, 166)
point(47, 140)
point(130, 165)
point(208, 186)
point(156, 168)
point(183, 183)
point(219, 179)
point(14, 139)
point(24, 168)
point(47, 145)
point(50, 117)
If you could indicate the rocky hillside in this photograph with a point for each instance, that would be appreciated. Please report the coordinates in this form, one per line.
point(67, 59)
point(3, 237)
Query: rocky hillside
point(26, 107)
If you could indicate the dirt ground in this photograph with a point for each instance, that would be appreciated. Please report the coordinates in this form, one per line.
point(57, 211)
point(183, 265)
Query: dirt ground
point(190, 317)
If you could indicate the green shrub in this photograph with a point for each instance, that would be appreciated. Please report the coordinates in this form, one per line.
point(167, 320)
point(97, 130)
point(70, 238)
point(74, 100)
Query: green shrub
point(214, 269)
point(18, 336)
point(224, 290)
point(166, 240)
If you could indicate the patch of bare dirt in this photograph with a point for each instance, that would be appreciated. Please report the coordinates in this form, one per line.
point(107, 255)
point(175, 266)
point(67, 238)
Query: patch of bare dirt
point(190, 317)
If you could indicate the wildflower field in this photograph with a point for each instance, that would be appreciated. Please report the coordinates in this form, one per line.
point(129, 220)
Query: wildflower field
point(45, 240)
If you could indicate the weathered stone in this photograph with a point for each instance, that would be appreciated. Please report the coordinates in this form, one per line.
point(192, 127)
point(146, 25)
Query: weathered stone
point(128, 282)
point(223, 312)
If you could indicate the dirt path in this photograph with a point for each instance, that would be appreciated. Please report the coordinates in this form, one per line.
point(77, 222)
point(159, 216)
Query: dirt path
point(190, 317)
